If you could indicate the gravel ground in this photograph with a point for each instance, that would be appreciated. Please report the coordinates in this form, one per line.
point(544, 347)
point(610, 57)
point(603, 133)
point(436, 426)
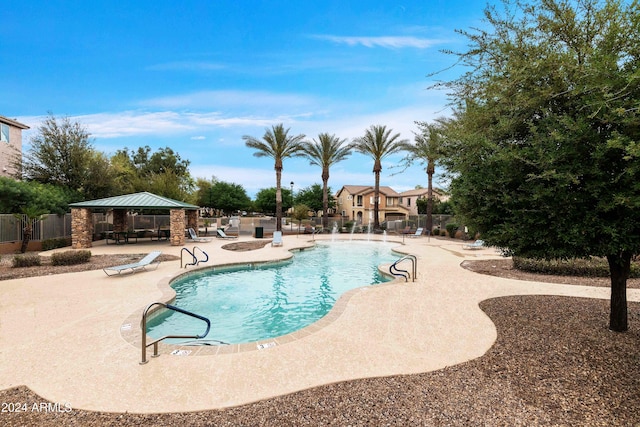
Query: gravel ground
point(554, 363)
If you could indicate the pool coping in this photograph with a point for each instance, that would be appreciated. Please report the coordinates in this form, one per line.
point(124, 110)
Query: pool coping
point(131, 330)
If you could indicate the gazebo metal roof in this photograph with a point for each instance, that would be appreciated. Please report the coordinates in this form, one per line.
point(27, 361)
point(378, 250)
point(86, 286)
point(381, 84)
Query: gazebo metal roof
point(142, 200)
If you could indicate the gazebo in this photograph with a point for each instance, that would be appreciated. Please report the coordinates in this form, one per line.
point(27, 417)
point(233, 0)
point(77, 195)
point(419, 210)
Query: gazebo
point(182, 215)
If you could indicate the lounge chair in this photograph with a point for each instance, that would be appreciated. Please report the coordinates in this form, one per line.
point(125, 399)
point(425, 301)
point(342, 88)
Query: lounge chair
point(418, 233)
point(193, 236)
point(136, 266)
point(478, 244)
point(221, 234)
point(277, 238)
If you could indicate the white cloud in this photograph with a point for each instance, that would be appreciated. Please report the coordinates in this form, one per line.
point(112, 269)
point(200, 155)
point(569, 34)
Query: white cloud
point(198, 138)
point(389, 42)
point(224, 99)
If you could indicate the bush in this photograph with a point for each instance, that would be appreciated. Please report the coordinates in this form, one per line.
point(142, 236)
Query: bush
point(60, 242)
point(28, 260)
point(436, 231)
point(451, 229)
point(70, 257)
point(593, 267)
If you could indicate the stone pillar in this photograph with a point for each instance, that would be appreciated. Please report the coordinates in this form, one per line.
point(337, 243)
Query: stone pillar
point(192, 220)
point(81, 228)
point(177, 227)
point(120, 222)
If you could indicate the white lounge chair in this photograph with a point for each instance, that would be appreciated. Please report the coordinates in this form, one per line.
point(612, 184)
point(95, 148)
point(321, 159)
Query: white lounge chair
point(277, 238)
point(418, 233)
point(136, 266)
point(193, 236)
point(478, 244)
point(221, 234)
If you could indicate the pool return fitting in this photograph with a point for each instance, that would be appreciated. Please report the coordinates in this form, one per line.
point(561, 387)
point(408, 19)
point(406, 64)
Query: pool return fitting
point(143, 326)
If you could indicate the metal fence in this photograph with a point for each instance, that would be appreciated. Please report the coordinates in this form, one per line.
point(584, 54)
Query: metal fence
point(55, 226)
point(51, 227)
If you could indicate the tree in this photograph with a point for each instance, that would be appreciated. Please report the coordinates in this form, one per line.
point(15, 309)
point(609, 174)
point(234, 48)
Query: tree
point(61, 154)
point(314, 197)
point(17, 195)
point(32, 214)
point(378, 143)
point(266, 200)
point(544, 139)
point(229, 197)
point(325, 152)
point(300, 213)
point(428, 149)
point(277, 144)
point(163, 172)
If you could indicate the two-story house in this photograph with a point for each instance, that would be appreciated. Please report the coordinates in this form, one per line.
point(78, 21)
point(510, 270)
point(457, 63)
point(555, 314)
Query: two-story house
point(409, 198)
point(356, 202)
point(10, 144)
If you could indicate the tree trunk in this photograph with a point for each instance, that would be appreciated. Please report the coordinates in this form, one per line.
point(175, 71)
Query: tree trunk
point(376, 207)
point(325, 203)
point(430, 172)
point(619, 267)
point(278, 200)
point(26, 236)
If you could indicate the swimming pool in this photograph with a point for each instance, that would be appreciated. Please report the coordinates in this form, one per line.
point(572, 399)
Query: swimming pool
point(253, 303)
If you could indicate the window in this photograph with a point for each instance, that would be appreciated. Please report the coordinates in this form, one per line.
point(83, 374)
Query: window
point(408, 201)
point(359, 200)
point(4, 133)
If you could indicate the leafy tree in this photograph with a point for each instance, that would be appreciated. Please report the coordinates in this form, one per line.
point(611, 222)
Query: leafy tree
point(15, 196)
point(230, 197)
point(163, 172)
point(266, 200)
point(325, 152)
point(428, 149)
point(314, 197)
point(277, 144)
point(544, 140)
point(61, 154)
point(300, 213)
point(378, 143)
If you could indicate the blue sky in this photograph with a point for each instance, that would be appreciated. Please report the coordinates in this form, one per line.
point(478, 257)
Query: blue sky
point(198, 75)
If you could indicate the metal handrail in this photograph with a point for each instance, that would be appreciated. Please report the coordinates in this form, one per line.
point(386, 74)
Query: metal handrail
point(143, 326)
point(196, 261)
point(405, 273)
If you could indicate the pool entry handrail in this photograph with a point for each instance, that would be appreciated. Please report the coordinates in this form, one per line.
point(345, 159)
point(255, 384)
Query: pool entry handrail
point(394, 270)
point(195, 259)
point(154, 343)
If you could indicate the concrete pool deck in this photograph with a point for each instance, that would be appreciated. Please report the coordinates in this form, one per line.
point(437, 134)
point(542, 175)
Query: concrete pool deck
point(61, 335)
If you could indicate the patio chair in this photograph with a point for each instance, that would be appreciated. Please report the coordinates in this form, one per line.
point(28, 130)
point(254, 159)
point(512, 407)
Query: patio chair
point(136, 266)
point(221, 234)
point(193, 236)
point(418, 233)
point(277, 238)
point(478, 244)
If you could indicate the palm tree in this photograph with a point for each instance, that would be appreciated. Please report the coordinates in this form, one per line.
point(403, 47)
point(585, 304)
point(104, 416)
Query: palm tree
point(378, 143)
point(325, 152)
point(29, 215)
point(427, 149)
point(277, 144)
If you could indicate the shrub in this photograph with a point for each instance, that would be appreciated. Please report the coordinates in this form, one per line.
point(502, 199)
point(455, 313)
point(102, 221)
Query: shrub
point(436, 231)
point(60, 242)
point(593, 267)
point(28, 260)
point(451, 229)
point(70, 257)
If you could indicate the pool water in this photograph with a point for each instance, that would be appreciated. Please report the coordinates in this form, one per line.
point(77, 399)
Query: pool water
point(266, 301)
